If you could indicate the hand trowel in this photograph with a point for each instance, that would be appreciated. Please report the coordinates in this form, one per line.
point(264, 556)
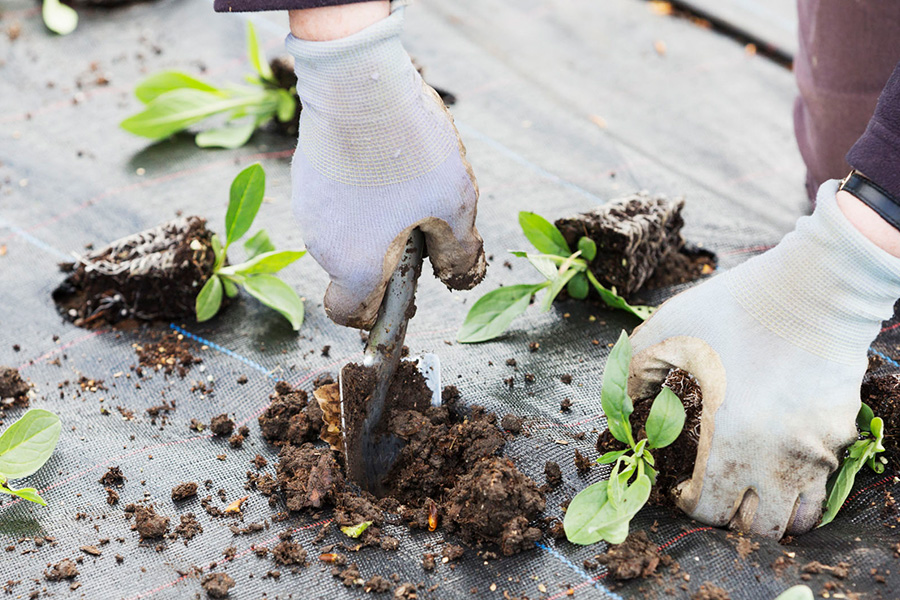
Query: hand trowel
point(370, 450)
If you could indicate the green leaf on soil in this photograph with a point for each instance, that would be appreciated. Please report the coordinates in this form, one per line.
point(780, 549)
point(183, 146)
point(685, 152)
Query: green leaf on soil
point(165, 81)
point(267, 262)
point(247, 191)
point(355, 531)
point(864, 417)
point(588, 248)
point(614, 398)
point(611, 457)
point(591, 518)
point(257, 55)
point(209, 300)
point(259, 243)
point(578, 287)
point(612, 299)
point(230, 287)
point(840, 485)
point(492, 313)
point(543, 234)
point(218, 252)
point(58, 17)
point(27, 444)
point(798, 592)
point(666, 419)
point(231, 135)
point(278, 296)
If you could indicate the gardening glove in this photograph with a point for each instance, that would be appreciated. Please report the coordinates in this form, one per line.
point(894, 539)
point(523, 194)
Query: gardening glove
point(378, 155)
point(778, 346)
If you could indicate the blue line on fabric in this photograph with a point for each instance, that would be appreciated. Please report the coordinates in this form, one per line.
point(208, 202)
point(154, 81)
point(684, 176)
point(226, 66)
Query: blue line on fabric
point(575, 568)
point(37, 242)
point(224, 350)
point(885, 357)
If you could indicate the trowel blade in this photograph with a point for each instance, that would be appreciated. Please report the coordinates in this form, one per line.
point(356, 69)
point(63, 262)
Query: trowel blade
point(369, 451)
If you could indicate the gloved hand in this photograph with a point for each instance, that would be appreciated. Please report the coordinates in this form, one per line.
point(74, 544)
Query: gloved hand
point(378, 155)
point(778, 346)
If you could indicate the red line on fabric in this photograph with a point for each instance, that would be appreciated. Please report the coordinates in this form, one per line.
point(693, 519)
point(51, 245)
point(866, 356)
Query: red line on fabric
point(891, 327)
point(149, 593)
point(66, 346)
point(682, 535)
point(868, 487)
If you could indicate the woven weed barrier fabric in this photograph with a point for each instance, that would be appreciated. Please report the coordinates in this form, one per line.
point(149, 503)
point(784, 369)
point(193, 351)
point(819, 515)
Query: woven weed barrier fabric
point(561, 110)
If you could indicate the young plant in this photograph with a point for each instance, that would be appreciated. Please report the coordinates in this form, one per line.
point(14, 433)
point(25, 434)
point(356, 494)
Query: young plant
point(175, 101)
point(604, 510)
point(24, 448)
point(58, 17)
point(862, 452)
point(256, 274)
point(492, 314)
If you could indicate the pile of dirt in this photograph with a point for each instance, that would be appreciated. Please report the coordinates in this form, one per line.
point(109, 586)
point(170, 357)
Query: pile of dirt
point(13, 389)
point(637, 556)
point(675, 462)
point(639, 243)
point(151, 275)
point(449, 472)
point(882, 394)
point(167, 351)
point(217, 585)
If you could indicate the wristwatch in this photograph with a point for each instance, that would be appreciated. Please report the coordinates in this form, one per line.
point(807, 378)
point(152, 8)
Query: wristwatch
point(873, 196)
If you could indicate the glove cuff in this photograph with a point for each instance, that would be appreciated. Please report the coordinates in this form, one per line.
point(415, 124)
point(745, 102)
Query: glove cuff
point(825, 288)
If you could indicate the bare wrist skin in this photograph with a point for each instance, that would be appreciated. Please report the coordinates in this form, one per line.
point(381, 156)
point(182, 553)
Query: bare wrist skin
point(334, 22)
point(869, 223)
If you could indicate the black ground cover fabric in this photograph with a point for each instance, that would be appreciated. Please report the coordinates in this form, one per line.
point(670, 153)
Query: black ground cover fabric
point(563, 104)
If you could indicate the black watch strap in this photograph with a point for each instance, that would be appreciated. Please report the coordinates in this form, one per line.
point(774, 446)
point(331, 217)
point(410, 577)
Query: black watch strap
point(873, 196)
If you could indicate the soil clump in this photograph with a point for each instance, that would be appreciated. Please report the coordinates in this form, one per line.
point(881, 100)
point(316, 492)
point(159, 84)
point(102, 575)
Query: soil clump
point(167, 351)
point(64, 569)
point(708, 591)
point(183, 491)
point(217, 585)
point(637, 556)
point(13, 389)
point(639, 243)
point(221, 425)
point(147, 276)
point(882, 394)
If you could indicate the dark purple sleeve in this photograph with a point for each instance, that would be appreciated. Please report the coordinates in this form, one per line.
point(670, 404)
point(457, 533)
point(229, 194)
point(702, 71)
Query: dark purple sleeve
point(257, 5)
point(877, 152)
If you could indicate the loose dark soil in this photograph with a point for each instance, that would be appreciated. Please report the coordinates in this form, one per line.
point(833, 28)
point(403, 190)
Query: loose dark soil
point(221, 425)
point(637, 556)
point(639, 243)
point(882, 394)
point(675, 463)
point(183, 491)
point(113, 477)
point(449, 464)
point(708, 591)
point(167, 351)
point(147, 276)
point(13, 389)
point(147, 523)
point(217, 585)
point(64, 569)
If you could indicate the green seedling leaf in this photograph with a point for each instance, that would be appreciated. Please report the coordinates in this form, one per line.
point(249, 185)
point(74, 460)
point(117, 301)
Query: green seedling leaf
point(228, 136)
point(259, 243)
point(612, 299)
point(864, 418)
point(666, 419)
point(29, 494)
point(230, 287)
point(209, 300)
point(178, 109)
point(591, 518)
point(492, 313)
point(165, 81)
point(798, 592)
point(58, 17)
point(268, 262)
point(614, 398)
point(257, 56)
point(27, 444)
point(545, 265)
point(588, 248)
point(578, 287)
point(876, 426)
point(556, 286)
point(218, 252)
point(355, 531)
point(247, 191)
point(582, 510)
point(611, 457)
point(277, 295)
point(543, 234)
point(287, 106)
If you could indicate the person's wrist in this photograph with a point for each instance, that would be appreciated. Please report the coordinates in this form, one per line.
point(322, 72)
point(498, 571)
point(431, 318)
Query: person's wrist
point(869, 223)
point(327, 23)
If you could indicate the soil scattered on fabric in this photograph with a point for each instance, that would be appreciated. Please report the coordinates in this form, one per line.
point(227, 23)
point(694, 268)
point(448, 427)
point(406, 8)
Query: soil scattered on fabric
point(217, 585)
point(221, 425)
point(553, 473)
point(13, 389)
point(113, 477)
point(167, 351)
point(64, 569)
point(882, 394)
point(290, 418)
point(183, 491)
point(147, 523)
point(675, 462)
point(637, 556)
point(289, 553)
point(708, 591)
point(147, 276)
point(638, 237)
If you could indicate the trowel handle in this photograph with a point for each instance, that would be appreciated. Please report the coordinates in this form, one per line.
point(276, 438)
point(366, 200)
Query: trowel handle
point(387, 335)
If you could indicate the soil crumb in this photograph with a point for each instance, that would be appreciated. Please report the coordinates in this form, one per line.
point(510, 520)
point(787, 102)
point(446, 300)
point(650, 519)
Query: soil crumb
point(113, 477)
point(64, 569)
point(290, 418)
point(147, 276)
point(882, 394)
point(511, 423)
point(553, 473)
point(637, 556)
point(309, 477)
point(217, 585)
point(147, 523)
point(289, 553)
point(183, 491)
point(221, 425)
point(167, 351)
point(708, 591)
point(13, 389)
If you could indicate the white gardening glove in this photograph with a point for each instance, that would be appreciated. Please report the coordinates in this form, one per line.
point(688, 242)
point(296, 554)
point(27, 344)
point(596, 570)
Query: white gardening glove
point(778, 345)
point(378, 155)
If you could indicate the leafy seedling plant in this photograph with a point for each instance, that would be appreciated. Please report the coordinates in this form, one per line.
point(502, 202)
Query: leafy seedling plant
point(24, 448)
point(256, 274)
point(492, 314)
point(604, 510)
point(175, 101)
point(862, 452)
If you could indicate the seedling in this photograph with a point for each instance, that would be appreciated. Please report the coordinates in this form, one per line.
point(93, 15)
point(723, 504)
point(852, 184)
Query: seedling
point(492, 314)
point(354, 531)
point(24, 448)
point(58, 17)
point(862, 452)
point(256, 274)
point(175, 101)
point(604, 510)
